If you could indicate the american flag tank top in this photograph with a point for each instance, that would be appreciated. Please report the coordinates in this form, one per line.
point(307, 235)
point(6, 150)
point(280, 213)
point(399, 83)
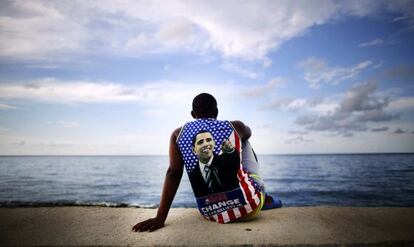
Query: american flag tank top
point(211, 150)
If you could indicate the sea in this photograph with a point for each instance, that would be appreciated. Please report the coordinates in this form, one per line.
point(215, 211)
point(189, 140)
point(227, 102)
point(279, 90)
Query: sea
point(367, 180)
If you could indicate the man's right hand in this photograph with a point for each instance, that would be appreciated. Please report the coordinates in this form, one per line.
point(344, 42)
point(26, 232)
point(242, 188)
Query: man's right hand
point(227, 147)
point(148, 225)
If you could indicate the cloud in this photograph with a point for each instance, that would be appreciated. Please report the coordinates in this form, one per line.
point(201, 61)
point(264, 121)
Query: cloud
point(400, 131)
point(336, 123)
point(375, 42)
point(298, 132)
point(377, 115)
point(249, 30)
point(262, 126)
point(264, 89)
point(359, 106)
point(245, 72)
point(19, 143)
point(378, 65)
point(3, 129)
point(363, 8)
point(51, 90)
point(297, 139)
point(176, 33)
point(318, 72)
point(291, 104)
point(404, 103)
point(32, 29)
point(378, 42)
point(380, 129)
point(6, 106)
point(361, 98)
point(65, 124)
point(139, 42)
point(236, 31)
point(41, 29)
point(402, 71)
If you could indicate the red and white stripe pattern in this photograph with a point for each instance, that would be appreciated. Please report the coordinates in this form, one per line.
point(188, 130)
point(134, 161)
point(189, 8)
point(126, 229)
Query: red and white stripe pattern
point(251, 196)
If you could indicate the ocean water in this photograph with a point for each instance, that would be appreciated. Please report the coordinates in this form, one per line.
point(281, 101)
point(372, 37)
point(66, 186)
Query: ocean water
point(298, 180)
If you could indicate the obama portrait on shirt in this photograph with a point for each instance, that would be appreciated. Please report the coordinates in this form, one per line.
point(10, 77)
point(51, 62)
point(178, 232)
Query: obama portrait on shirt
point(215, 173)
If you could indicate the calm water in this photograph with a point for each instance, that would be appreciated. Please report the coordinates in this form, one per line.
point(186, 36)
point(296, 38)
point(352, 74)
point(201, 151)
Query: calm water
point(299, 180)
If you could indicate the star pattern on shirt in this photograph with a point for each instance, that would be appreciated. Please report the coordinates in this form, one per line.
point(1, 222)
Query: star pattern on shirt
point(220, 130)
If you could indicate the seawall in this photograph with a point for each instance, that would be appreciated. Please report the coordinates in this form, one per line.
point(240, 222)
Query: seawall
point(298, 226)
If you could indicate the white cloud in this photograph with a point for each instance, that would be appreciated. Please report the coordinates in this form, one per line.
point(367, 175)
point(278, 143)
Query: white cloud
point(404, 103)
point(374, 42)
point(316, 105)
point(39, 29)
point(6, 106)
point(291, 104)
point(372, 7)
point(3, 129)
point(298, 132)
point(297, 139)
point(261, 90)
point(325, 107)
point(139, 42)
point(65, 124)
point(67, 92)
point(249, 30)
point(178, 32)
point(317, 72)
point(34, 29)
point(234, 67)
point(51, 90)
point(252, 29)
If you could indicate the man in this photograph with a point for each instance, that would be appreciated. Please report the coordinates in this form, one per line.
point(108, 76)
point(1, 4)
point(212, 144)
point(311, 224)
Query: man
point(243, 202)
point(215, 173)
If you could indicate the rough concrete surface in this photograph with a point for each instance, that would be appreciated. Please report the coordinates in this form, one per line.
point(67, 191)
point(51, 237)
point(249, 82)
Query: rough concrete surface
point(300, 226)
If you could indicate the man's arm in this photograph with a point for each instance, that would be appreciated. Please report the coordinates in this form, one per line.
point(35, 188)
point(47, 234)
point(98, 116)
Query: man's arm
point(171, 183)
point(243, 130)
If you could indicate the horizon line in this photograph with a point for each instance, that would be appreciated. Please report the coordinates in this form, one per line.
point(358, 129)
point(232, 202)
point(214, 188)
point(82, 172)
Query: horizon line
point(136, 155)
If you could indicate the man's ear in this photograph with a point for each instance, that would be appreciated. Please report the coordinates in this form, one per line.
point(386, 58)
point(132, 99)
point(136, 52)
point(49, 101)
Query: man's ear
point(193, 114)
point(193, 150)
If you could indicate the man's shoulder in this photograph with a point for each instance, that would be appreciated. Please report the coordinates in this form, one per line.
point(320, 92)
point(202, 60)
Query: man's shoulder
point(175, 134)
point(237, 124)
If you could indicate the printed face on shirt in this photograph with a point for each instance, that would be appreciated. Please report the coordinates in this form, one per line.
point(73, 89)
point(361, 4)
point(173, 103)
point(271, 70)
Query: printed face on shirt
point(204, 146)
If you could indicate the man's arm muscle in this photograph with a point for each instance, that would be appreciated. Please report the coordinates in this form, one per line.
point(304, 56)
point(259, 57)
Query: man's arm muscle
point(243, 130)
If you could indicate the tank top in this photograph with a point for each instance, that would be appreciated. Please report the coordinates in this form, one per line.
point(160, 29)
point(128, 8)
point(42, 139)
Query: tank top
point(223, 190)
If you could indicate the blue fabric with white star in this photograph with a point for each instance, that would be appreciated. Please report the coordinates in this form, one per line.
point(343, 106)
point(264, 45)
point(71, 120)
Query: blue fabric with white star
point(220, 130)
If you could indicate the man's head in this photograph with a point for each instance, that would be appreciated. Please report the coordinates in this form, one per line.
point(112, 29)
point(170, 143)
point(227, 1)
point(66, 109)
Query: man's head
point(203, 145)
point(204, 106)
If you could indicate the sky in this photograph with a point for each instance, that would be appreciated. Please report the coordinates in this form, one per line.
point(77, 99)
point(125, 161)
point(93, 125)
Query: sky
point(117, 77)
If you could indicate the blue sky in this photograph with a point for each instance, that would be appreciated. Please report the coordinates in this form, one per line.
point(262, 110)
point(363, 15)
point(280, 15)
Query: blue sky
point(117, 77)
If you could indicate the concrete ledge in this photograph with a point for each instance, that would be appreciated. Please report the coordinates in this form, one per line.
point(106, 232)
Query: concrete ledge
point(302, 226)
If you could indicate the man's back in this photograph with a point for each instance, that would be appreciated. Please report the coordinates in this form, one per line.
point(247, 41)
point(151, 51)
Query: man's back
point(210, 150)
